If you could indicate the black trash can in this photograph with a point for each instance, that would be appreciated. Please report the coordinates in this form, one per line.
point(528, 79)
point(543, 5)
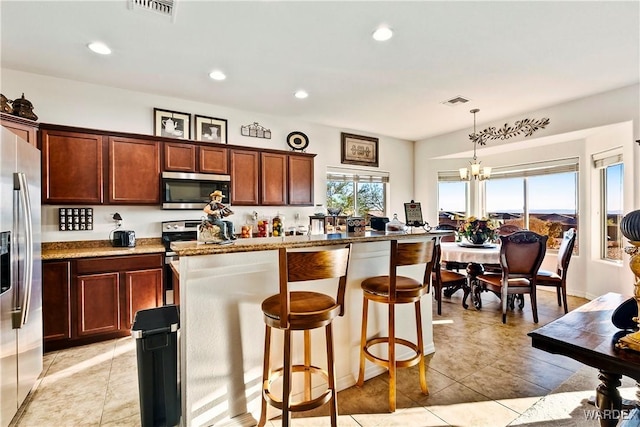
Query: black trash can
point(156, 334)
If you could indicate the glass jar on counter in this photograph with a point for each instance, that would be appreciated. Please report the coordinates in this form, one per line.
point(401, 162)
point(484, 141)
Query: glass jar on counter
point(277, 225)
point(262, 227)
point(246, 231)
point(395, 225)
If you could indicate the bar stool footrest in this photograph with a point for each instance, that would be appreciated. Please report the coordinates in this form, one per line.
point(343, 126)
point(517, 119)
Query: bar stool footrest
point(303, 405)
point(406, 363)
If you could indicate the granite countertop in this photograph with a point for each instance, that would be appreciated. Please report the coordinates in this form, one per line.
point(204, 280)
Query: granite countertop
point(98, 248)
point(272, 243)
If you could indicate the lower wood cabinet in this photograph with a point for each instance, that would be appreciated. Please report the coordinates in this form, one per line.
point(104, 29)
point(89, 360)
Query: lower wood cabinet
point(94, 299)
point(98, 304)
point(56, 297)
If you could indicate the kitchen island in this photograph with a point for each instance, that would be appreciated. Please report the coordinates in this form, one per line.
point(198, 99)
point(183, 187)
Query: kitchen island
point(222, 331)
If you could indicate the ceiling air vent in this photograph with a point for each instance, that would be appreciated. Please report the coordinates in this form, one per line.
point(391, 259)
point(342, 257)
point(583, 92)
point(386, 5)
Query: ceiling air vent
point(458, 100)
point(165, 8)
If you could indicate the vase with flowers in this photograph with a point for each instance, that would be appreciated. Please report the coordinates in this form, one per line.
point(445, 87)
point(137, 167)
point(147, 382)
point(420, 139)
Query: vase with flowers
point(478, 231)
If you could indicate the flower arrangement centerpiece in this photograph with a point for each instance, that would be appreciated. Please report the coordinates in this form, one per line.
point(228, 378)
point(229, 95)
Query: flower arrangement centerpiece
point(478, 231)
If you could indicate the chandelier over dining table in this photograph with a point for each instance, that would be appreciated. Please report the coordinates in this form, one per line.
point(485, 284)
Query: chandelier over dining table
point(475, 170)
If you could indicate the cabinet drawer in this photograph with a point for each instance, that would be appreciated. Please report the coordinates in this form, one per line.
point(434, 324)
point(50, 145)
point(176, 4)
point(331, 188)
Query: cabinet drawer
point(118, 263)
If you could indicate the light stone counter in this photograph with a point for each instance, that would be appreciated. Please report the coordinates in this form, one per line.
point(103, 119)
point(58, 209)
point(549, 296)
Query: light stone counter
point(222, 331)
point(97, 248)
point(271, 243)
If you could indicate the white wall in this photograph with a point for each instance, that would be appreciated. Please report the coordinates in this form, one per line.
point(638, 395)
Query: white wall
point(577, 129)
point(73, 103)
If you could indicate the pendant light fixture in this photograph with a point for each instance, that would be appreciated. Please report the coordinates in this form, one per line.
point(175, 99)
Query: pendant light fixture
point(475, 171)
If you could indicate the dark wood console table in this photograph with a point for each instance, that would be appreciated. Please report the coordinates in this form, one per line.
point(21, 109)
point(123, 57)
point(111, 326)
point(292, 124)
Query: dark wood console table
point(588, 336)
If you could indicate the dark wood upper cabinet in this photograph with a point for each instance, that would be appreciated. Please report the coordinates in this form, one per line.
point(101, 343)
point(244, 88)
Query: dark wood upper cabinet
point(134, 171)
point(300, 180)
point(85, 166)
point(24, 128)
point(244, 177)
point(179, 157)
point(191, 158)
point(214, 160)
point(273, 179)
point(72, 167)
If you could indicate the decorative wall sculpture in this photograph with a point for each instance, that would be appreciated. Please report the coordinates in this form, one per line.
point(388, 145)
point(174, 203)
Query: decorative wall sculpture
point(255, 130)
point(526, 126)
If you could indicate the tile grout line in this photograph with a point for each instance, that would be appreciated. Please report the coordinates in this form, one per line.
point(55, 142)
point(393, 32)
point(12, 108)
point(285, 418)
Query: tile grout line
point(106, 392)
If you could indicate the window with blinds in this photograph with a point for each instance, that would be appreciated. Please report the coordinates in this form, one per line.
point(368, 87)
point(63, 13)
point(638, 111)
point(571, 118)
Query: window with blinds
point(357, 192)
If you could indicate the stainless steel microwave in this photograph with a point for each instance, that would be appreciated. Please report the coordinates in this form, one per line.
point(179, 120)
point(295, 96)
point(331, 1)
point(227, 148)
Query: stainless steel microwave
point(191, 190)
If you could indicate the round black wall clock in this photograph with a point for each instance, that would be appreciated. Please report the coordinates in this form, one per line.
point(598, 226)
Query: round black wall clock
point(297, 141)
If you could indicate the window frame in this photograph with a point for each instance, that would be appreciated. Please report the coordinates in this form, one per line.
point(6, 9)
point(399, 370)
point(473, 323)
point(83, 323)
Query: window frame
point(355, 177)
point(532, 170)
point(604, 161)
point(453, 176)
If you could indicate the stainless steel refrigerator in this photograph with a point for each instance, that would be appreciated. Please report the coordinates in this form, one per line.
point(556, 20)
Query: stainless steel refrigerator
point(20, 272)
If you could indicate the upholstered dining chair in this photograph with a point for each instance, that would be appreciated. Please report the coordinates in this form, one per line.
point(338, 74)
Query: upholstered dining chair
point(506, 229)
point(559, 277)
point(441, 279)
point(391, 290)
point(303, 310)
point(450, 265)
point(503, 230)
point(521, 254)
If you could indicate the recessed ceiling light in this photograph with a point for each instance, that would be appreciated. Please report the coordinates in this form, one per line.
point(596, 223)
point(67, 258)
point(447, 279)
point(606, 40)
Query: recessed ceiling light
point(382, 34)
point(99, 47)
point(217, 75)
point(301, 94)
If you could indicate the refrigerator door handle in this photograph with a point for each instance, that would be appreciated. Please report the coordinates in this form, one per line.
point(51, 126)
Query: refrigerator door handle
point(20, 180)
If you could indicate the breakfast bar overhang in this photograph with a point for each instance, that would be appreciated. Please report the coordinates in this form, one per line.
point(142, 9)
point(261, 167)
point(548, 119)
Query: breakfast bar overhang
point(222, 331)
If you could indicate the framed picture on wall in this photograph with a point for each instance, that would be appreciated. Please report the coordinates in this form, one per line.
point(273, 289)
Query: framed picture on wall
point(359, 150)
point(171, 124)
point(211, 129)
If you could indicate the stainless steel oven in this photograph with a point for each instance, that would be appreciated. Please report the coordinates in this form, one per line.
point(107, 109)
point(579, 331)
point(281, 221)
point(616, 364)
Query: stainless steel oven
point(191, 190)
point(176, 231)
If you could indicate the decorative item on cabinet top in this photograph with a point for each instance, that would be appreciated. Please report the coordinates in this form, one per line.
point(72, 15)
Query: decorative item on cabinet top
point(255, 130)
point(211, 129)
point(172, 124)
point(298, 141)
point(75, 219)
point(21, 107)
point(5, 104)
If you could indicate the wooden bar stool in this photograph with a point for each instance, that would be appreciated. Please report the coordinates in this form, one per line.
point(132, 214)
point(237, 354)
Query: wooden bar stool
point(303, 311)
point(391, 290)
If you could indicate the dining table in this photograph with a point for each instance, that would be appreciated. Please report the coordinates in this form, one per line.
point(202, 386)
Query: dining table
point(474, 257)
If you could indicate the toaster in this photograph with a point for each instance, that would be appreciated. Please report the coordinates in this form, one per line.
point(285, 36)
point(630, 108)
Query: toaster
point(124, 239)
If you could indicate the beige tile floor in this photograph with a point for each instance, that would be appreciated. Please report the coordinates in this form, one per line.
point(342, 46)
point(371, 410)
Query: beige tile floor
point(483, 373)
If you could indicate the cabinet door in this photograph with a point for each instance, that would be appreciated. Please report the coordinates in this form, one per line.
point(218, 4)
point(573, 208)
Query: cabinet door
point(244, 177)
point(134, 171)
point(98, 304)
point(273, 179)
point(300, 181)
point(179, 157)
point(56, 300)
point(72, 168)
point(214, 160)
point(143, 290)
